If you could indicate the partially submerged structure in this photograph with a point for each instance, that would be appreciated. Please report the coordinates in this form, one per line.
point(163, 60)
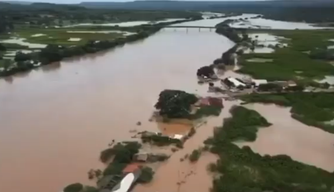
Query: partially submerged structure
point(210, 101)
point(232, 82)
point(119, 183)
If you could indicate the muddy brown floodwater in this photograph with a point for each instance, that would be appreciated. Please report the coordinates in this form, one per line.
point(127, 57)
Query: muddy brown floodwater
point(55, 121)
point(302, 143)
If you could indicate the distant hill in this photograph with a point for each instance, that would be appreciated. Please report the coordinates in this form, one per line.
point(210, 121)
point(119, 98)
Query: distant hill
point(19, 2)
point(205, 5)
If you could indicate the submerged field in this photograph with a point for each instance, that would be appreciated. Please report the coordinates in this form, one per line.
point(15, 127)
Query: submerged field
point(292, 62)
point(315, 109)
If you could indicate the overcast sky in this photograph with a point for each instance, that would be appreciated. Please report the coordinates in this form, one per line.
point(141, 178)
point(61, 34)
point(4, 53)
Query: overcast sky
point(78, 1)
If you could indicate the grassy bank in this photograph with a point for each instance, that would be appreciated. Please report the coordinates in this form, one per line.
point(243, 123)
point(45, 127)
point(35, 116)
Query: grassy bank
point(313, 109)
point(244, 170)
point(292, 62)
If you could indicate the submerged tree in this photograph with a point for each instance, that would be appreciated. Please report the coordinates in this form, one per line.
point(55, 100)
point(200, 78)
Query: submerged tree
point(206, 71)
point(175, 103)
point(75, 187)
point(146, 175)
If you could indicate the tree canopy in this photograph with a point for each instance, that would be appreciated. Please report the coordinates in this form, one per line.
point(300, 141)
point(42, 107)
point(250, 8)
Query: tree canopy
point(122, 152)
point(175, 103)
point(146, 175)
point(75, 187)
point(206, 71)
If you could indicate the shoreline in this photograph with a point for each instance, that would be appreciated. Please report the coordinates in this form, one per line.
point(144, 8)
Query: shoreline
point(148, 30)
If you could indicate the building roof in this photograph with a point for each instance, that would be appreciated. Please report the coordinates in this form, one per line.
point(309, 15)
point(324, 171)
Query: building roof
point(260, 81)
point(131, 168)
point(235, 82)
point(141, 157)
point(126, 183)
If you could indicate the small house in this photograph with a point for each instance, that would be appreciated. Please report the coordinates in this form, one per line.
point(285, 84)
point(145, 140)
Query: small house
point(257, 82)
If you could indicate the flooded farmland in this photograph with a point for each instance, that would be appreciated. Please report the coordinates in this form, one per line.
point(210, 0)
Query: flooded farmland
point(55, 120)
point(302, 143)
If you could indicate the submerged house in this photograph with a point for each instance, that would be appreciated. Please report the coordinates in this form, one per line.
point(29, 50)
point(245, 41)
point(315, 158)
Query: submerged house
point(120, 183)
point(127, 181)
point(234, 83)
point(210, 101)
point(258, 82)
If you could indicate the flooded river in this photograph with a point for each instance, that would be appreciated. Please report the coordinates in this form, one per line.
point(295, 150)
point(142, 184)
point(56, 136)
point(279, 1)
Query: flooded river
point(55, 120)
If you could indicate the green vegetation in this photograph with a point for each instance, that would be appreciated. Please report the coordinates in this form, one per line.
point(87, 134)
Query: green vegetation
point(121, 152)
point(175, 103)
point(75, 187)
point(244, 170)
point(205, 111)
point(292, 62)
point(90, 189)
point(54, 53)
point(146, 175)
point(245, 124)
point(114, 169)
point(160, 140)
point(310, 108)
point(195, 155)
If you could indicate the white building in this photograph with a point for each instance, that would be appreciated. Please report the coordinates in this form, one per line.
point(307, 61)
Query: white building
point(258, 82)
point(236, 82)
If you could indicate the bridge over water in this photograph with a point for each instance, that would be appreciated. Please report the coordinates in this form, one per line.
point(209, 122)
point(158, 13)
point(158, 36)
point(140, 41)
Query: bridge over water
point(190, 27)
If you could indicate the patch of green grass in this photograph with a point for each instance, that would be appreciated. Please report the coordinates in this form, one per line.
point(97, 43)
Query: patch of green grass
point(309, 108)
point(244, 170)
point(246, 128)
point(291, 63)
point(287, 64)
point(206, 111)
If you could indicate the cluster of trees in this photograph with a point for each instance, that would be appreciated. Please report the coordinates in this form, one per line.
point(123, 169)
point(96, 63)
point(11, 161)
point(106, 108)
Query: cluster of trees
point(195, 155)
point(228, 57)
point(121, 152)
point(206, 72)
point(244, 125)
point(175, 103)
point(244, 170)
point(230, 33)
point(146, 175)
point(160, 140)
point(75, 187)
